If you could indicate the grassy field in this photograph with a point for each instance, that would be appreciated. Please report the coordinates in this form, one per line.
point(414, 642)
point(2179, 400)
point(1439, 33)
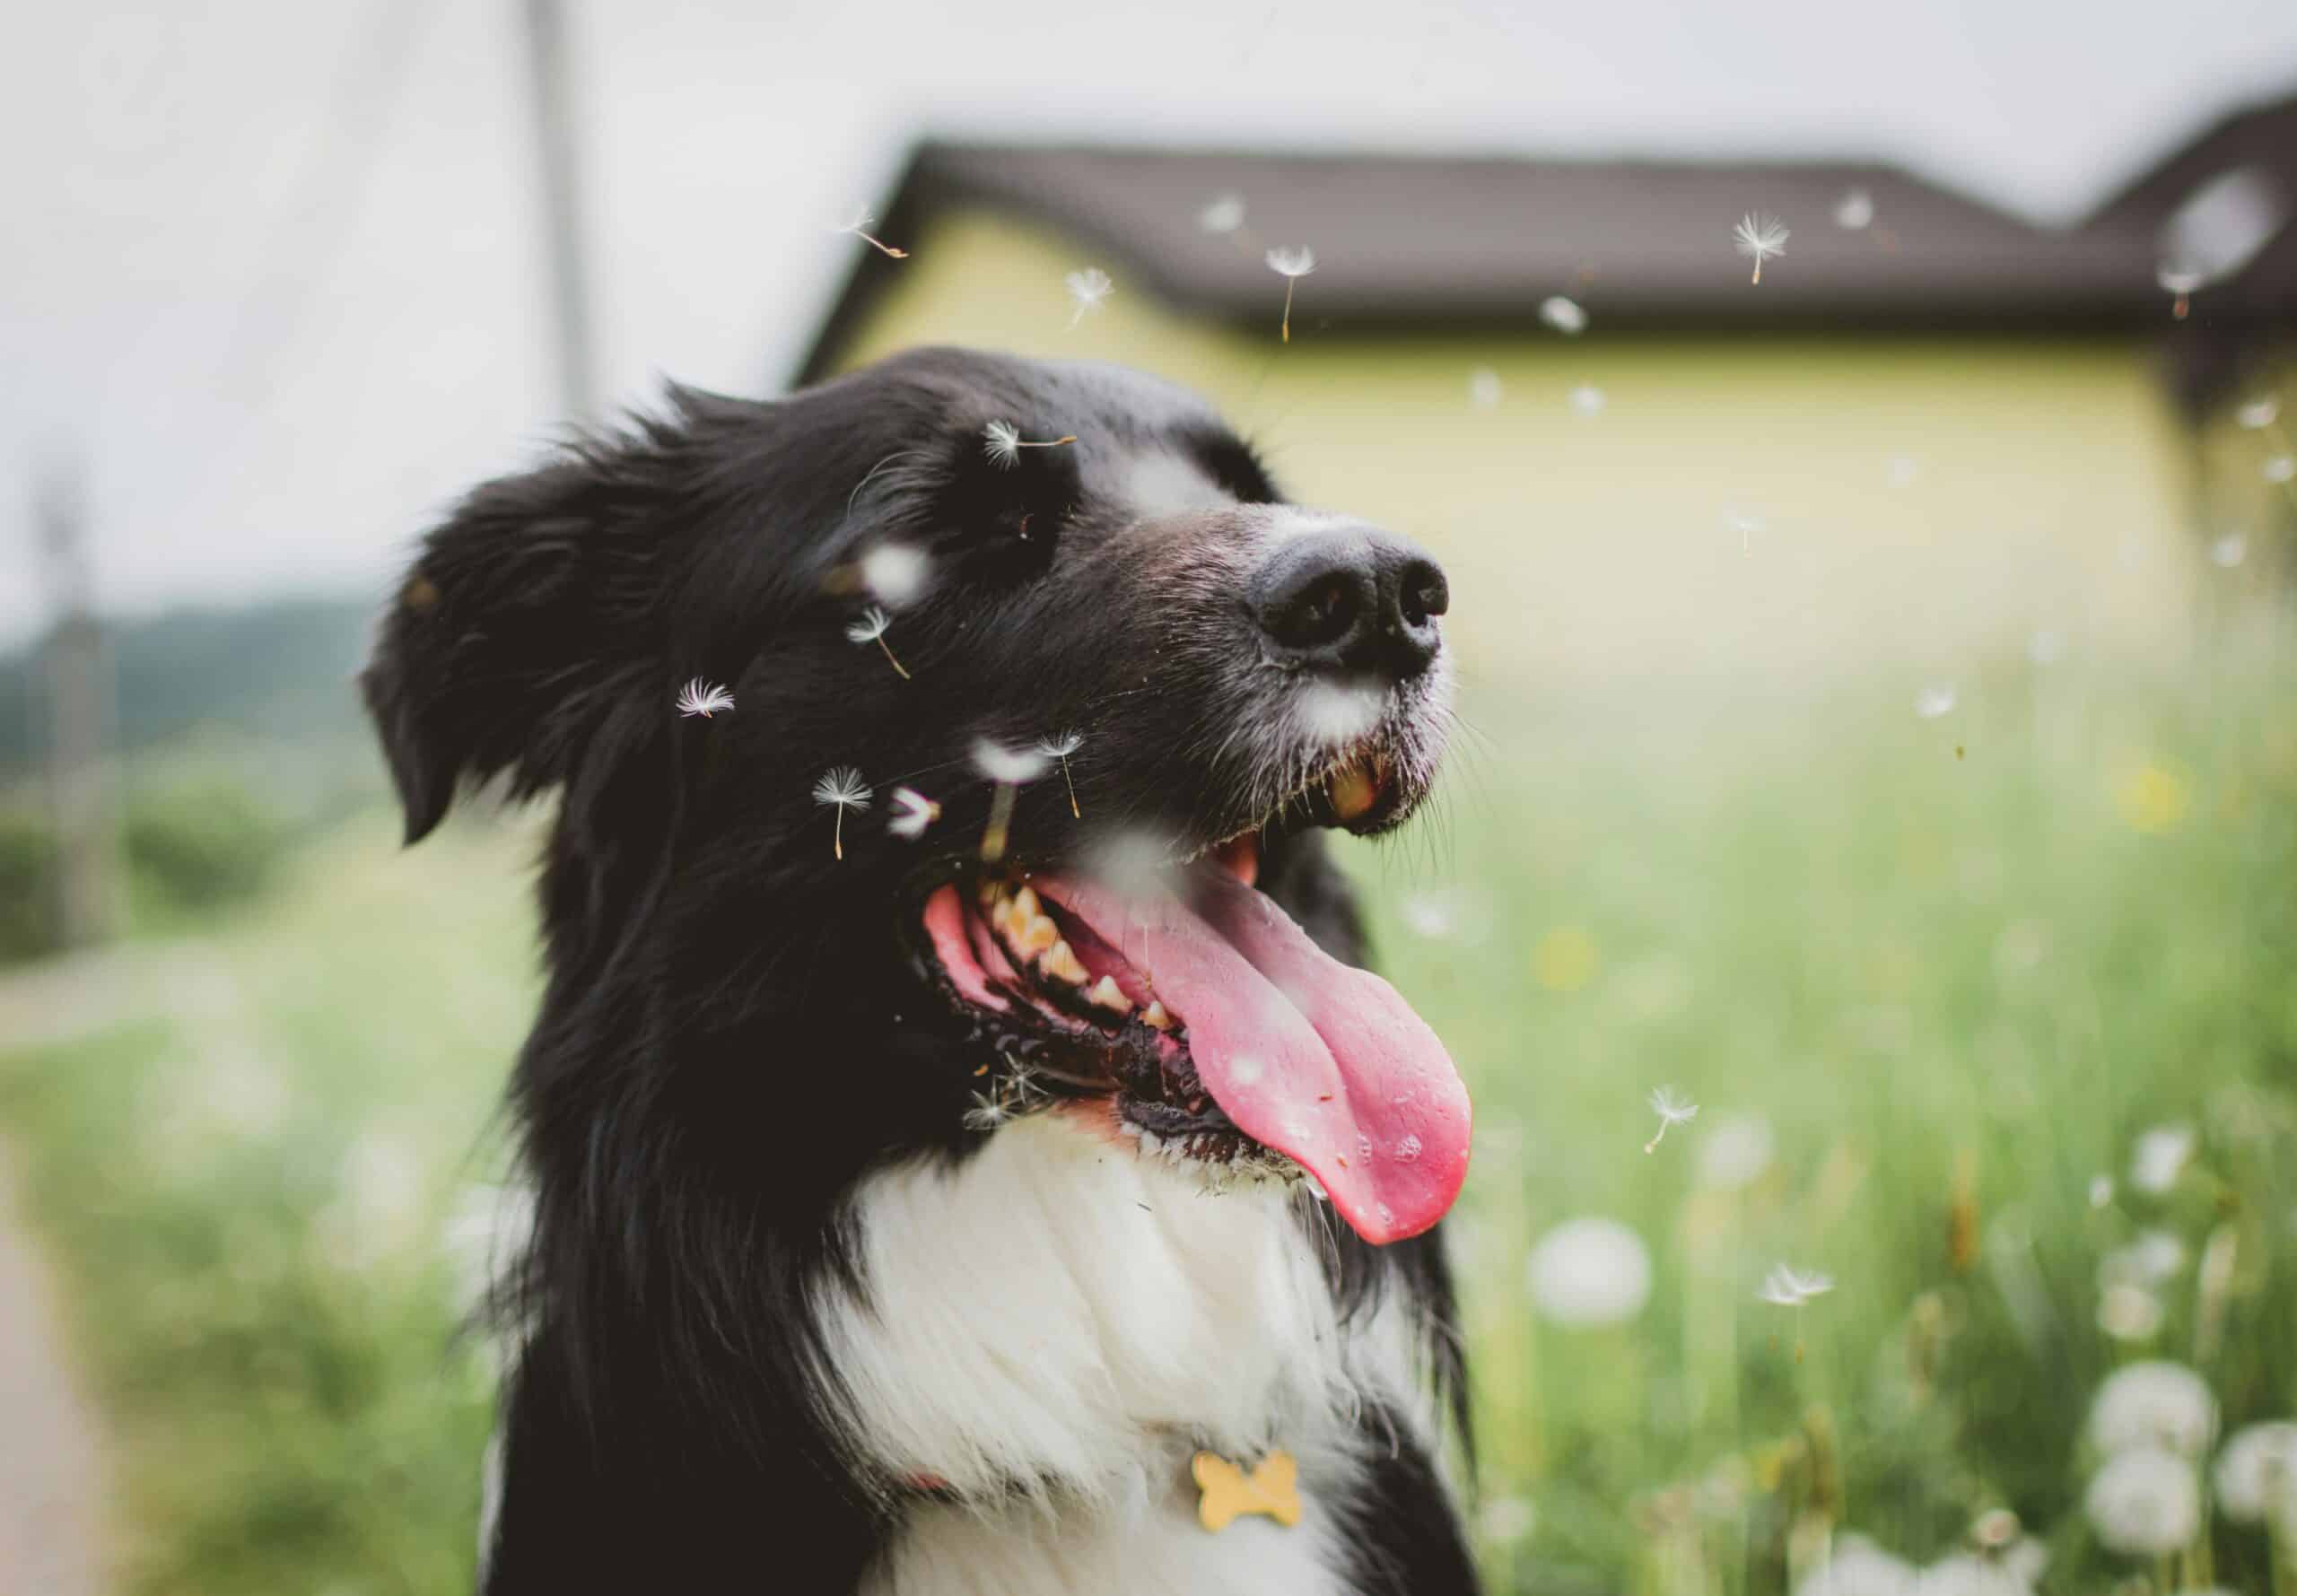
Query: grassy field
point(1930, 981)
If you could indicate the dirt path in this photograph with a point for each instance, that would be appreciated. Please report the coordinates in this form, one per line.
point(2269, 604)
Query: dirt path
point(51, 1484)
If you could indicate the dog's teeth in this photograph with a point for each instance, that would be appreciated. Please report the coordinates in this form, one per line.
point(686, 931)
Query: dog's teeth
point(1351, 792)
point(1033, 936)
point(1109, 995)
point(1155, 1014)
point(1026, 905)
point(1001, 914)
point(1061, 963)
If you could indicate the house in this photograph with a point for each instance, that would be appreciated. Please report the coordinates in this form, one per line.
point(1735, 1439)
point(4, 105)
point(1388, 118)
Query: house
point(1931, 429)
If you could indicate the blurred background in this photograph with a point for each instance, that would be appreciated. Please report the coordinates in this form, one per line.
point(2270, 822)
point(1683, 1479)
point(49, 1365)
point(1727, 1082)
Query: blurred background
point(1880, 656)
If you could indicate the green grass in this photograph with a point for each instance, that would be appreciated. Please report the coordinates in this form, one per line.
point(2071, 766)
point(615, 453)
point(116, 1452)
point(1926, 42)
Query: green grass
point(1953, 967)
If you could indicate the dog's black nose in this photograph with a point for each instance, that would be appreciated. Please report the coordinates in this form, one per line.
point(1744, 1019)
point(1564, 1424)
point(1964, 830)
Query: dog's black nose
point(1353, 599)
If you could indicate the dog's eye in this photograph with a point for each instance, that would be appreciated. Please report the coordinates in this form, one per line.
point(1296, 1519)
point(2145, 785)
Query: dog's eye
point(1003, 501)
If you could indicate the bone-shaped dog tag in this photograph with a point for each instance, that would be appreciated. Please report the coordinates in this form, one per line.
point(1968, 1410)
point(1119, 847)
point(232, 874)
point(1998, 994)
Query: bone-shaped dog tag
point(1228, 1492)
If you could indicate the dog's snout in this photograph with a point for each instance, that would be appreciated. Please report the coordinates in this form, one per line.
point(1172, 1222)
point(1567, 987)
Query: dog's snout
point(1352, 599)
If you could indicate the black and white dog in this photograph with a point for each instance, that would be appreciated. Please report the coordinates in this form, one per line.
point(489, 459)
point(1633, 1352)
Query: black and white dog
point(992, 1185)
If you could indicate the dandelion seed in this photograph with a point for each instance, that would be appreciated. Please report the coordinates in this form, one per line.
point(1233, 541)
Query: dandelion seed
point(1089, 288)
point(1758, 237)
point(1854, 211)
point(1291, 265)
point(1745, 525)
point(1587, 400)
point(2259, 412)
point(1589, 1271)
point(1935, 701)
point(841, 788)
point(703, 698)
point(1790, 1287)
point(1672, 1109)
point(2229, 551)
point(2179, 281)
point(988, 1112)
point(863, 220)
point(2280, 468)
point(895, 573)
point(2160, 1156)
point(1484, 389)
point(1565, 316)
point(871, 628)
point(2045, 646)
point(912, 813)
point(1060, 747)
point(1223, 214)
point(1010, 769)
point(2101, 1190)
point(1002, 442)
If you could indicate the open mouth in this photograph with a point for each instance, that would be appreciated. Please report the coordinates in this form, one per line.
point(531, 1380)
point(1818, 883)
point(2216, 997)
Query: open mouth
point(1188, 1004)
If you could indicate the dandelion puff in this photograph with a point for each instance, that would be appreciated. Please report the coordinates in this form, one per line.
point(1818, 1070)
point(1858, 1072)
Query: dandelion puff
point(1002, 442)
point(1291, 265)
point(912, 813)
point(2153, 1404)
point(2256, 1474)
point(1060, 747)
point(1935, 701)
point(864, 220)
point(1090, 289)
point(2144, 1503)
point(703, 698)
point(1758, 237)
point(1565, 316)
point(1010, 769)
point(841, 788)
point(1222, 215)
point(1672, 1109)
point(871, 628)
point(1589, 1271)
point(895, 573)
point(1854, 211)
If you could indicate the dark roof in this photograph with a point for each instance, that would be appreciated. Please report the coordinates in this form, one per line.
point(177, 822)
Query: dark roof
point(1414, 241)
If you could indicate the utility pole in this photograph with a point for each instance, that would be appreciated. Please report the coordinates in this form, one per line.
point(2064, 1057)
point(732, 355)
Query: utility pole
point(560, 171)
point(77, 669)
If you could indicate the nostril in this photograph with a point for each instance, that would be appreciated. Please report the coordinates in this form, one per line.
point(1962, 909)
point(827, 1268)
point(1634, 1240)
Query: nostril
point(1320, 611)
point(1423, 593)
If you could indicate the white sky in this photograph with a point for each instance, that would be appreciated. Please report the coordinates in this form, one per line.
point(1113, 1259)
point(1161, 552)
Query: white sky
point(272, 270)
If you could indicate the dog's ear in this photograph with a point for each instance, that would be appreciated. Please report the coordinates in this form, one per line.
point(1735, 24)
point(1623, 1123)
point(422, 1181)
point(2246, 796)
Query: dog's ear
point(523, 620)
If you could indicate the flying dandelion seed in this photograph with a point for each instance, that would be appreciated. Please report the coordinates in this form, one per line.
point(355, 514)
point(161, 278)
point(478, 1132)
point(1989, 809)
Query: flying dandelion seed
point(912, 813)
point(1565, 316)
point(863, 220)
point(2280, 468)
point(1010, 769)
point(1758, 237)
point(1060, 747)
point(2259, 412)
point(1002, 442)
point(988, 1112)
point(1588, 1272)
point(1854, 211)
point(1485, 390)
point(1291, 265)
point(1745, 525)
point(2229, 551)
point(1090, 289)
point(1223, 214)
point(1790, 1287)
point(2180, 282)
point(1672, 1109)
point(895, 573)
point(1586, 401)
point(871, 628)
point(1935, 700)
point(2045, 646)
point(703, 698)
point(2159, 1157)
point(841, 788)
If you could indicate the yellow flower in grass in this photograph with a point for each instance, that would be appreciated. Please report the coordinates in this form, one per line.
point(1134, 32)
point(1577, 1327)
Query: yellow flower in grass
point(1566, 959)
point(2154, 799)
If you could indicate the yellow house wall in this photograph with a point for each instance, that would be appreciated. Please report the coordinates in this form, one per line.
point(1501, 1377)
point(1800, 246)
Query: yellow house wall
point(1921, 502)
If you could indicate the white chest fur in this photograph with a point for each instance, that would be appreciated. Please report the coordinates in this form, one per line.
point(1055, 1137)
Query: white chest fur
point(1054, 1324)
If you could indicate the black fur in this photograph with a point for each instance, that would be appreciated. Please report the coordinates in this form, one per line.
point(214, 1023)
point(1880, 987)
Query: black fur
point(735, 1030)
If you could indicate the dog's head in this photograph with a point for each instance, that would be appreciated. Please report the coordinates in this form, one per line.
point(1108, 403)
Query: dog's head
point(1102, 685)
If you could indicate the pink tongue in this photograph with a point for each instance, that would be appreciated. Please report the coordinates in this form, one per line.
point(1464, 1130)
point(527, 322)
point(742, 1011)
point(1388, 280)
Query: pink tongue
point(1306, 1055)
